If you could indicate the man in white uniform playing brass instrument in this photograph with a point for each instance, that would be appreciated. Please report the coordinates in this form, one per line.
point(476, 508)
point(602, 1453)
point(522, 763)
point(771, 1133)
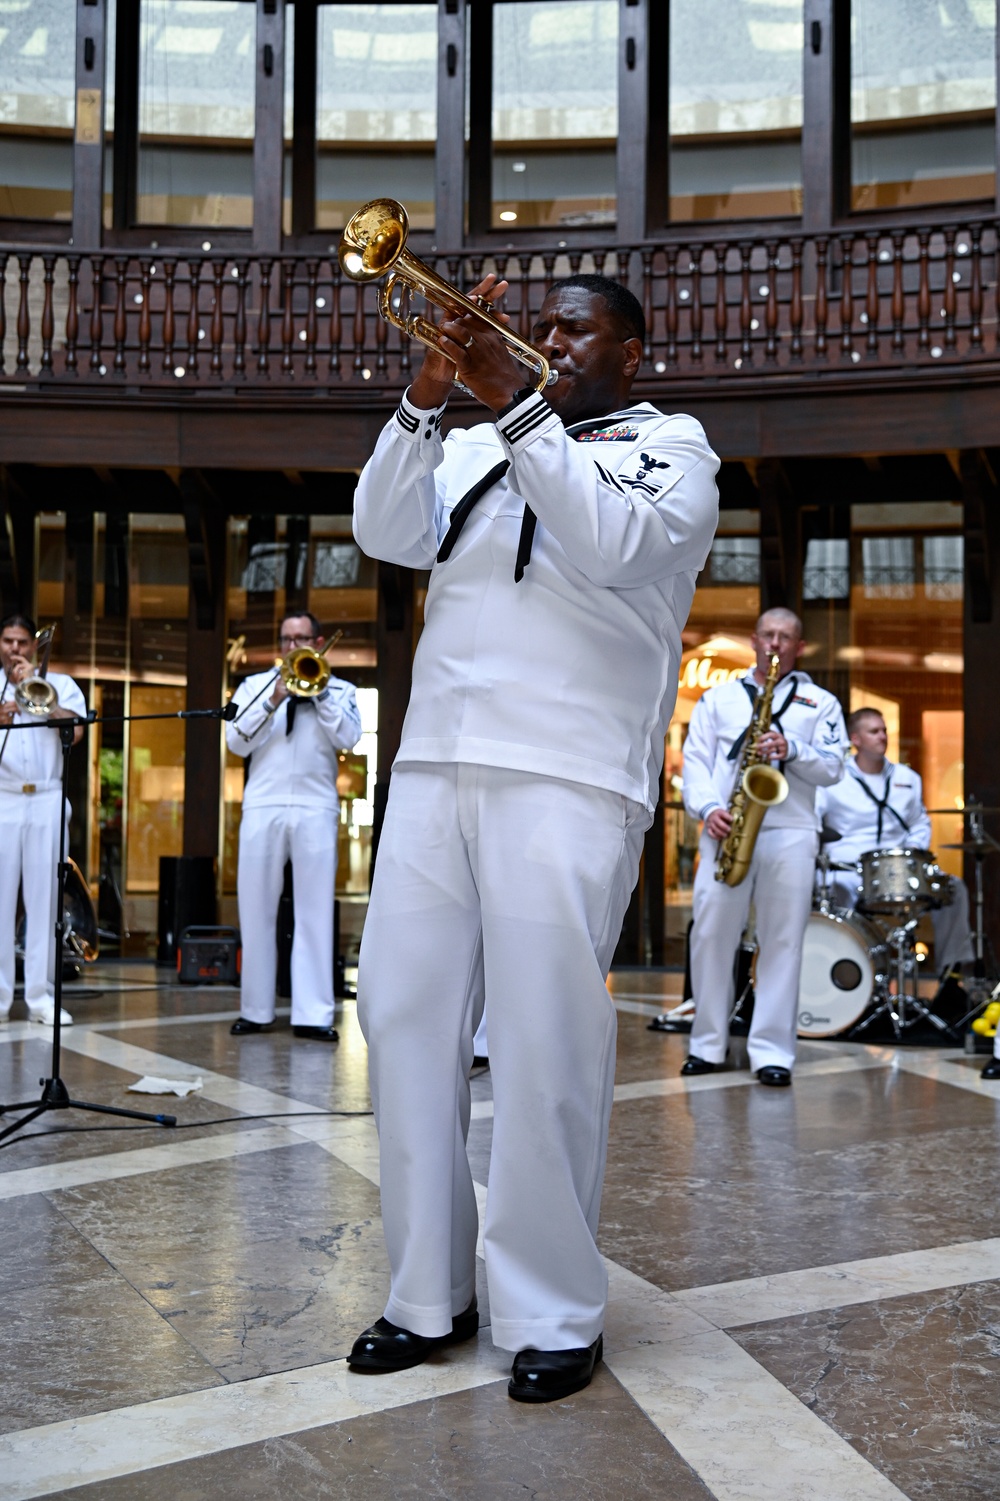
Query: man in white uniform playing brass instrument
point(808, 741)
point(31, 810)
point(879, 805)
point(564, 538)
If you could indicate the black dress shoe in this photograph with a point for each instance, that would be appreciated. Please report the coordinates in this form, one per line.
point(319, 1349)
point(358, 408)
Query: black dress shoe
point(991, 1069)
point(695, 1065)
point(386, 1347)
point(667, 1023)
point(318, 1034)
point(547, 1375)
point(243, 1025)
point(774, 1075)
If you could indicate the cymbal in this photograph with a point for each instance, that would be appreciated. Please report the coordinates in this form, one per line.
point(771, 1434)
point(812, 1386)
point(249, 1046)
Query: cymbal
point(973, 846)
point(964, 812)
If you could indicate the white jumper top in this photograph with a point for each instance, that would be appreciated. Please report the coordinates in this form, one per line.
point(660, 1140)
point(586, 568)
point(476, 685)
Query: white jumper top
point(34, 757)
point(572, 672)
point(850, 810)
point(810, 719)
point(299, 769)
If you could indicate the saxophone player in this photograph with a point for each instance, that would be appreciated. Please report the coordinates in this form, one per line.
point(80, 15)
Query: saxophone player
point(806, 738)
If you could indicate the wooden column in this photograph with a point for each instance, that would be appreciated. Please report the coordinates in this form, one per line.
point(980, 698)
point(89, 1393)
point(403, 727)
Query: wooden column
point(826, 122)
point(480, 188)
point(981, 497)
point(780, 569)
point(642, 118)
point(394, 643)
point(205, 523)
point(304, 118)
point(88, 135)
point(449, 157)
point(268, 141)
point(126, 136)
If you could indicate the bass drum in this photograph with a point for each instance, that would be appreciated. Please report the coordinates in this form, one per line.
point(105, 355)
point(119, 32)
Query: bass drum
point(843, 963)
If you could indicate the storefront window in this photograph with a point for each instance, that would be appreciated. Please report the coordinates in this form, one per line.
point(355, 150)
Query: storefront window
point(735, 109)
point(37, 108)
point(555, 113)
point(923, 102)
point(196, 113)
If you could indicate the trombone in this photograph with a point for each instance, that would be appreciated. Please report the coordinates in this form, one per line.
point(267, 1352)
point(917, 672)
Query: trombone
point(36, 695)
point(374, 245)
point(304, 672)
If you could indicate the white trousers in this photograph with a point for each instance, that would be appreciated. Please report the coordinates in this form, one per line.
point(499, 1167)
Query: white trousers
point(779, 882)
point(952, 933)
point(505, 886)
point(268, 837)
point(29, 841)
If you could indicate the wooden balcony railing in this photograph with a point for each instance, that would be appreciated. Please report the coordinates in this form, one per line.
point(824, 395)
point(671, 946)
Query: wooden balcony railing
point(721, 306)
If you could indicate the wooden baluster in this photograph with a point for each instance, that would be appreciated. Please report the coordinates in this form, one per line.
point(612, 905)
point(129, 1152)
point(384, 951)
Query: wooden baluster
point(48, 317)
point(476, 263)
point(795, 312)
point(923, 292)
point(288, 318)
point(822, 303)
point(524, 286)
point(600, 260)
point(381, 340)
point(721, 306)
point(746, 307)
point(312, 330)
point(549, 265)
point(950, 297)
point(215, 322)
point(194, 317)
point(575, 261)
point(697, 309)
point(336, 316)
point(96, 318)
point(976, 287)
point(169, 318)
point(872, 299)
point(145, 320)
point(898, 293)
point(847, 294)
point(24, 314)
point(671, 303)
point(120, 325)
point(500, 266)
point(624, 261)
point(647, 303)
point(72, 314)
point(240, 320)
point(264, 319)
point(771, 303)
point(359, 327)
point(3, 309)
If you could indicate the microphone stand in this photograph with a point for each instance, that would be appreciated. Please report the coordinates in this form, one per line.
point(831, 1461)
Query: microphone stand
point(55, 1095)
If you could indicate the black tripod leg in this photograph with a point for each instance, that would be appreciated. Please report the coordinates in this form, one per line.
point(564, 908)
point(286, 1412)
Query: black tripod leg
point(25, 1119)
point(132, 1115)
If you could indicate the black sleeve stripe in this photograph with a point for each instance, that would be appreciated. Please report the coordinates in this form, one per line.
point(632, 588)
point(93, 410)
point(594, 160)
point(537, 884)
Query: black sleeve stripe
point(406, 421)
point(525, 419)
point(609, 479)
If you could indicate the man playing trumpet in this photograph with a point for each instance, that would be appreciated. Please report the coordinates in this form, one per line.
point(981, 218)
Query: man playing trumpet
point(290, 812)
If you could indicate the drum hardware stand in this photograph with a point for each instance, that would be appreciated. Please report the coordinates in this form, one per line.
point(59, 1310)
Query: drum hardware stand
point(903, 968)
point(55, 1095)
point(979, 985)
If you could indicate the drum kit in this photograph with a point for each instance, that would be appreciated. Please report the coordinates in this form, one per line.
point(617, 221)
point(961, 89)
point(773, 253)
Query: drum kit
point(861, 964)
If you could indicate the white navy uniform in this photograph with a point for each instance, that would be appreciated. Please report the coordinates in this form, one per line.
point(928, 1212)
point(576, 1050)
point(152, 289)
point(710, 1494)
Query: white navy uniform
point(780, 878)
point(30, 810)
point(290, 812)
point(885, 810)
point(528, 770)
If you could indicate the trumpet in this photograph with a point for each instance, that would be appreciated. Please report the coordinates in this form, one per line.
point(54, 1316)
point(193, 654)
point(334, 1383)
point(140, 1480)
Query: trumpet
point(35, 695)
point(374, 245)
point(304, 672)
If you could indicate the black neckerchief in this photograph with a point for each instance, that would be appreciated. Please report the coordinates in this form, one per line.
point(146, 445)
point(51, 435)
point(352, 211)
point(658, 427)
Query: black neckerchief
point(881, 803)
point(752, 691)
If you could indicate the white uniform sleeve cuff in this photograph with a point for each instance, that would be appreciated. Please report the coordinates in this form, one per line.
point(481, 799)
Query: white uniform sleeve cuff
point(518, 427)
point(417, 425)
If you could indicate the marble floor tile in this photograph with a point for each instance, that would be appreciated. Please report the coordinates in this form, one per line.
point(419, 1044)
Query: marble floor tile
point(77, 1337)
point(911, 1382)
point(469, 1446)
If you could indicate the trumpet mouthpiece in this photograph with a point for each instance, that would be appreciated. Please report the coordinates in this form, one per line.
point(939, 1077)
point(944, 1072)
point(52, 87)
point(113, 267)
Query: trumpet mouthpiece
point(553, 377)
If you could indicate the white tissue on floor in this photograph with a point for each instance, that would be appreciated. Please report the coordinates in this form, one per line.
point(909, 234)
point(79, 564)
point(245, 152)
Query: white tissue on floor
point(150, 1085)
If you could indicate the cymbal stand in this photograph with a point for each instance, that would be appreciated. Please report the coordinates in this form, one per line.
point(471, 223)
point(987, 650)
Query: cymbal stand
point(979, 985)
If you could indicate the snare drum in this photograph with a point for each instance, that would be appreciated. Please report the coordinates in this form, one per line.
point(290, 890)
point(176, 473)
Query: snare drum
point(843, 961)
point(896, 880)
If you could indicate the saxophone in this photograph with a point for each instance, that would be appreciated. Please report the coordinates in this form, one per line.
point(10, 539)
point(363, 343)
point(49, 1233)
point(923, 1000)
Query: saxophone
point(758, 786)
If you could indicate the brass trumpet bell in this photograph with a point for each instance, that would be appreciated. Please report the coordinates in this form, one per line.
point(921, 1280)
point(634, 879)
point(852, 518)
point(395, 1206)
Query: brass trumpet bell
point(373, 245)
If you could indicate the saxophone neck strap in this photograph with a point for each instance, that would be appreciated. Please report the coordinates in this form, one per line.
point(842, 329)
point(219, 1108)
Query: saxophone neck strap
point(753, 693)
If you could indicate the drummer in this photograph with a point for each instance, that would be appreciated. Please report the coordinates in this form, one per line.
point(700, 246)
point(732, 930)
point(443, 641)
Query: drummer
point(879, 805)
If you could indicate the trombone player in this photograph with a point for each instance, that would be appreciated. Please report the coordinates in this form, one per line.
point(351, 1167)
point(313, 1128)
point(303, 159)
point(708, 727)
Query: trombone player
point(289, 744)
point(31, 806)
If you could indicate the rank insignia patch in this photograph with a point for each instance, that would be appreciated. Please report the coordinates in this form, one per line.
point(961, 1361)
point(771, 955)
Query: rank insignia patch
point(610, 435)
